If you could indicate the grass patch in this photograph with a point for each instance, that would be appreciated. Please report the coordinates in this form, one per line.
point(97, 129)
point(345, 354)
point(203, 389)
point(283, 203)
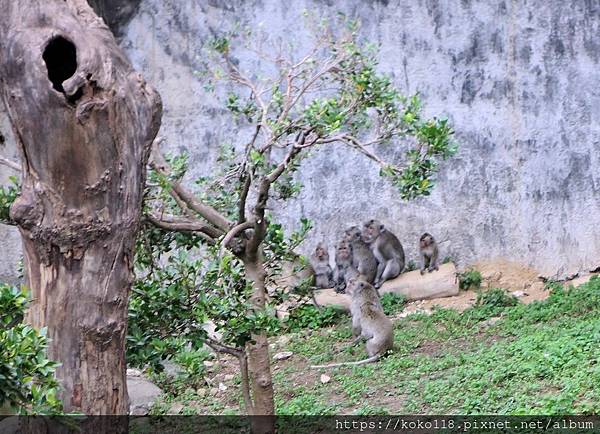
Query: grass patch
point(540, 358)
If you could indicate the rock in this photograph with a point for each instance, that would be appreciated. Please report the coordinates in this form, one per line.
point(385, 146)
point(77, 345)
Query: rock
point(325, 378)
point(142, 395)
point(228, 377)
point(283, 340)
point(176, 408)
point(222, 387)
point(171, 368)
point(519, 294)
point(408, 312)
point(211, 330)
point(491, 321)
point(132, 372)
point(208, 364)
point(283, 355)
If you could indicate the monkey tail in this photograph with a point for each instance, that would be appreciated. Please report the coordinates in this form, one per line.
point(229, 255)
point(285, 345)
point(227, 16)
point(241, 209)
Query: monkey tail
point(358, 363)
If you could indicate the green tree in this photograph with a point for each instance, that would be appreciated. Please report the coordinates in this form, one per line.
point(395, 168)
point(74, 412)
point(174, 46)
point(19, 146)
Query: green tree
point(332, 94)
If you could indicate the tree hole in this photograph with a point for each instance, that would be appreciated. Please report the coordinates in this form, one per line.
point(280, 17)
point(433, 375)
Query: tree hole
point(60, 56)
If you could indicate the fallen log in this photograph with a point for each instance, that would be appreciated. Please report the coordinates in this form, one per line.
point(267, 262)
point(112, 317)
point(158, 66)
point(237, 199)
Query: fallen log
point(441, 283)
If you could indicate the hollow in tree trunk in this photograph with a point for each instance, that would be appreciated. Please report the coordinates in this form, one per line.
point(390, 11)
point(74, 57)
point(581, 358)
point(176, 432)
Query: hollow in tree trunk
point(84, 122)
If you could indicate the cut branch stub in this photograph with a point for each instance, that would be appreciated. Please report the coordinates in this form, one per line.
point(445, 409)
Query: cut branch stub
point(84, 121)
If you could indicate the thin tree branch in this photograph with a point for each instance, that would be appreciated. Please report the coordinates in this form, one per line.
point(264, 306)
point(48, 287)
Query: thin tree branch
point(355, 143)
point(9, 163)
point(244, 198)
point(243, 361)
point(233, 232)
point(211, 215)
point(179, 224)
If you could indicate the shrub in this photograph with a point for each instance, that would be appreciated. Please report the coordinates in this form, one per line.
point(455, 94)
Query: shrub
point(309, 316)
point(470, 279)
point(490, 303)
point(392, 303)
point(27, 382)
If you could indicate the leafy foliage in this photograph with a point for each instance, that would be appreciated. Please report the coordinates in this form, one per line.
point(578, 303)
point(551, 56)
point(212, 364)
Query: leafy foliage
point(310, 317)
point(8, 194)
point(490, 303)
point(470, 279)
point(27, 380)
point(392, 303)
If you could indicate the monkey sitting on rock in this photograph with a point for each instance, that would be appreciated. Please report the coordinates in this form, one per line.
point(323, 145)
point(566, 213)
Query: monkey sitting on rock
point(369, 321)
point(429, 252)
point(344, 269)
point(319, 261)
point(386, 248)
point(362, 257)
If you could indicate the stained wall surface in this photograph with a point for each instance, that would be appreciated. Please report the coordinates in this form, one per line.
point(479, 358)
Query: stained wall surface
point(519, 80)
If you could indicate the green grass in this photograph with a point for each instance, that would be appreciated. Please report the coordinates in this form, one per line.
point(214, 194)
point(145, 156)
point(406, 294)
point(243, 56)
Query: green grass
point(541, 358)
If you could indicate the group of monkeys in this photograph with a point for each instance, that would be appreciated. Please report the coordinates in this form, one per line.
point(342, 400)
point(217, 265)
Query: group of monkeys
point(363, 261)
point(373, 253)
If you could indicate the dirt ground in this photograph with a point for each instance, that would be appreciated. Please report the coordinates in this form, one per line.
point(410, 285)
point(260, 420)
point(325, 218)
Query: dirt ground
point(521, 281)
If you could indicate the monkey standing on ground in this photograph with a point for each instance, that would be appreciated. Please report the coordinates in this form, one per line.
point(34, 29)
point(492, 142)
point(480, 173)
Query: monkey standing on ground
point(344, 270)
point(319, 261)
point(360, 294)
point(375, 327)
point(429, 252)
point(362, 257)
point(386, 248)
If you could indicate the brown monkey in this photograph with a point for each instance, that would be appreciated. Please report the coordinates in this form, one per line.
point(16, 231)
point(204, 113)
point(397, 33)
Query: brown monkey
point(360, 294)
point(319, 261)
point(362, 257)
point(344, 269)
point(386, 248)
point(375, 327)
point(429, 252)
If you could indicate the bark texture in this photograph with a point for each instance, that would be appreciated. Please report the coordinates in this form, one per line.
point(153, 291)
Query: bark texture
point(84, 121)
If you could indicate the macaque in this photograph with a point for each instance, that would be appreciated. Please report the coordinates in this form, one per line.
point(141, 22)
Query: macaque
point(386, 248)
point(344, 270)
point(429, 252)
point(375, 327)
point(319, 261)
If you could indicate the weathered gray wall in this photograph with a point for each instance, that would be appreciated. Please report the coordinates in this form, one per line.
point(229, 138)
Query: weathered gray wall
point(519, 80)
point(10, 240)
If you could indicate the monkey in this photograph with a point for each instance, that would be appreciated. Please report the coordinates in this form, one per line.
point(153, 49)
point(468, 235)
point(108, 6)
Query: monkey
point(344, 269)
point(386, 248)
point(319, 261)
point(362, 257)
point(375, 327)
point(428, 249)
point(360, 294)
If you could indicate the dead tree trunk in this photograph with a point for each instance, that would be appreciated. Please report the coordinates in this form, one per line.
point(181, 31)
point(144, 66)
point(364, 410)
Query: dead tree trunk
point(84, 122)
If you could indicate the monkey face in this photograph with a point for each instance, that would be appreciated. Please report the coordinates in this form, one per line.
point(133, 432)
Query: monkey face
point(352, 234)
point(354, 286)
point(320, 251)
point(371, 231)
point(344, 250)
point(426, 240)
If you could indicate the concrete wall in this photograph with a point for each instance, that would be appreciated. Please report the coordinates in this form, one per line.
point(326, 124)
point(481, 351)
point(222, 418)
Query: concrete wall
point(519, 81)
